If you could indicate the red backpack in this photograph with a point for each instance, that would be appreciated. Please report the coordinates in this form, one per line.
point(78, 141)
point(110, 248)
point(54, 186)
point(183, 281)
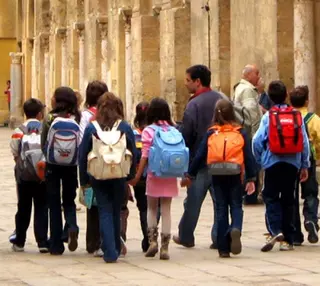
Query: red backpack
point(285, 130)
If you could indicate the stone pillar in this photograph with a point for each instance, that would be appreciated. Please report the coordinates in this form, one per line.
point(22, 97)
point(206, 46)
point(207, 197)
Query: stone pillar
point(46, 70)
point(27, 47)
point(175, 53)
point(80, 32)
point(103, 26)
point(92, 48)
point(33, 71)
point(64, 56)
point(16, 117)
point(304, 48)
point(145, 33)
point(55, 60)
point(127, 14)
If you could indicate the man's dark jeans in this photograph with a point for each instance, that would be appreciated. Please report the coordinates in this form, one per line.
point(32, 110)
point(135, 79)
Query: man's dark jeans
point(278, 194)
point(228, 193)
point(309, 193)
point(196, 194)
point(54, 176)
point(29, 192)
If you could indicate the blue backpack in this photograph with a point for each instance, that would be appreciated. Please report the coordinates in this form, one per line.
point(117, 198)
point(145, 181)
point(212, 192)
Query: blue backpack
point(62, 144)
point(168, 156)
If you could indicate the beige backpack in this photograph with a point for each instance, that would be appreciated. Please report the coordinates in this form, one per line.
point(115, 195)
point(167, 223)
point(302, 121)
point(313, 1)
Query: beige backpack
point(109, 158)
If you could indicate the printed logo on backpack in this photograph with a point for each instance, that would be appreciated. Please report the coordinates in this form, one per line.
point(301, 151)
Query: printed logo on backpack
point(168, 156)
point(63, 142)
point(225, 150)
point(285, 132)
point(32, 160)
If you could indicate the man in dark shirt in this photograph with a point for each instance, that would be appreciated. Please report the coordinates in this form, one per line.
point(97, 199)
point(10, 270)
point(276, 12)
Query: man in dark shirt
point(196, 120)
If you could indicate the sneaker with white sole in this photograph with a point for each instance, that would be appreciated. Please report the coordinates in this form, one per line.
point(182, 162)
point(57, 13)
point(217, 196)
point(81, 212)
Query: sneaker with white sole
point(12, 237)
point(271, 241)
point(98, 253)
point(285, 246)
point(312, 231)
point(43, 249)
point(17, 248)
point(124, 250)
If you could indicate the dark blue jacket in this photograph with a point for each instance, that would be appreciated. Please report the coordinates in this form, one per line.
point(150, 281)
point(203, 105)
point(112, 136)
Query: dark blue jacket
point(200, 160)
point(197, 118)
point(86, 147)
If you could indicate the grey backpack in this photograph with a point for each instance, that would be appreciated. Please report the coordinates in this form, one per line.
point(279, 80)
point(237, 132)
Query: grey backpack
point(31, 156)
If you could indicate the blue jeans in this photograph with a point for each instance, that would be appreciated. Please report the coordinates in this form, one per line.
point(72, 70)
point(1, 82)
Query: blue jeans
point(54, 176)
point(228, 191)
point(110, 196)
point(192, 206)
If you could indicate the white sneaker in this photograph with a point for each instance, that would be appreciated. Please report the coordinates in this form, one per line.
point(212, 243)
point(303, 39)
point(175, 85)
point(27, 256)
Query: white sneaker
point(17, 248)
point(124, 250)
point(98, 253)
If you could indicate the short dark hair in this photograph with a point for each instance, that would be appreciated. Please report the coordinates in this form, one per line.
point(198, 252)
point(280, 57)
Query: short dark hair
point(277, 92)
point(200, 72)
point(32, 107)
point(299, 96)
point(94, 91)
point(159, 110)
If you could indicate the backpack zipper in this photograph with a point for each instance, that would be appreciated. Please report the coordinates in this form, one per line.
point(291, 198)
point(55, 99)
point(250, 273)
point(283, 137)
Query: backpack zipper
point(224, 149)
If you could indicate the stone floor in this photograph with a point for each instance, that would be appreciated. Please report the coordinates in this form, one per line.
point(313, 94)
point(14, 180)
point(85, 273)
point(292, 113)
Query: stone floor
point(197, 266)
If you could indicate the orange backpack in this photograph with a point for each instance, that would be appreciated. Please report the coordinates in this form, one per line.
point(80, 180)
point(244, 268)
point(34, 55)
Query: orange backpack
point(225, 150)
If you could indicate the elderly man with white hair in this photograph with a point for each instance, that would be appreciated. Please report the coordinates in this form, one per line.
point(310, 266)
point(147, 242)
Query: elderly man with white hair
point(246, 94)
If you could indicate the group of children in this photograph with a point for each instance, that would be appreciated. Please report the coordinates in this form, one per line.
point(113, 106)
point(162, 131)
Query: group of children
point(72, 141)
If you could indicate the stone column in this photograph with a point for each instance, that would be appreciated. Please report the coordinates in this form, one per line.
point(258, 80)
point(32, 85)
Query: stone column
point(27, 47)
point(64, 56)
point(46, 69)
point(127, 14)
point(145, 33)
point(175, 53)
point(304, 48)
point(33, 71)
point(80, 31)
point(103, 26)
point(16, 117)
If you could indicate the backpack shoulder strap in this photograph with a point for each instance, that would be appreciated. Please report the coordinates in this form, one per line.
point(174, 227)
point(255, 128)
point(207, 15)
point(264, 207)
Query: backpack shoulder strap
point(307, 118)
point(97, 126)
point(23, 128)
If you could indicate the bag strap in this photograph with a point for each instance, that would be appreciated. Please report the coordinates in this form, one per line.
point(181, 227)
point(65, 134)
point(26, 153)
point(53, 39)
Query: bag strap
point(307, 118)
point(279, 129)
point(116, 125)
point(97, 126)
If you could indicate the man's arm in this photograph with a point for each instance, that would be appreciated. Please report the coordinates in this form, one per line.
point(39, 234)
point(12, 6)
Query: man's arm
point(188, 126)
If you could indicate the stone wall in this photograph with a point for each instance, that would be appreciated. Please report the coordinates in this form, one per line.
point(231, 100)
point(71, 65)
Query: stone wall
point(142, 48)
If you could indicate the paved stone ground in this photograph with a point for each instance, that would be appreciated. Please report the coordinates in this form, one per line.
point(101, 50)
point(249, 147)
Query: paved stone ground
point(197, 266)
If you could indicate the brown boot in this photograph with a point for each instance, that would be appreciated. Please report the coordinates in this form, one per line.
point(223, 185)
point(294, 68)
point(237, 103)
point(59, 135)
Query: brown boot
point(153, 240)
point(164, 250)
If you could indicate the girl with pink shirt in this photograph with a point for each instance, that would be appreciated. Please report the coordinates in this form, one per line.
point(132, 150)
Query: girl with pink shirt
point(163, 188)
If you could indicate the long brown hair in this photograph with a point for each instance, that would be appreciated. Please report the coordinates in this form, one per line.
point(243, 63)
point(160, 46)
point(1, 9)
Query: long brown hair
point(224, 113)
point(109, 110)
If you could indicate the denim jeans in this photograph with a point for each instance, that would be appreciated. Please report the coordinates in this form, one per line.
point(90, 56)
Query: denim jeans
point(54, 175)
point(278, 195)
point(29, 192)
point(228, 192)
point(309, 193)
point(192, 206)
point(110, 196)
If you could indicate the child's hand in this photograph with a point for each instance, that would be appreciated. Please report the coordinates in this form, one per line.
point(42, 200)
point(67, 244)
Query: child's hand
point(250, 188)
point(185, 182)
point(133, 182)
point(303, 175)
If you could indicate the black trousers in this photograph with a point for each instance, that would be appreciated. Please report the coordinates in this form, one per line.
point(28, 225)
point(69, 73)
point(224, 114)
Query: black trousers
point(28, 193)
